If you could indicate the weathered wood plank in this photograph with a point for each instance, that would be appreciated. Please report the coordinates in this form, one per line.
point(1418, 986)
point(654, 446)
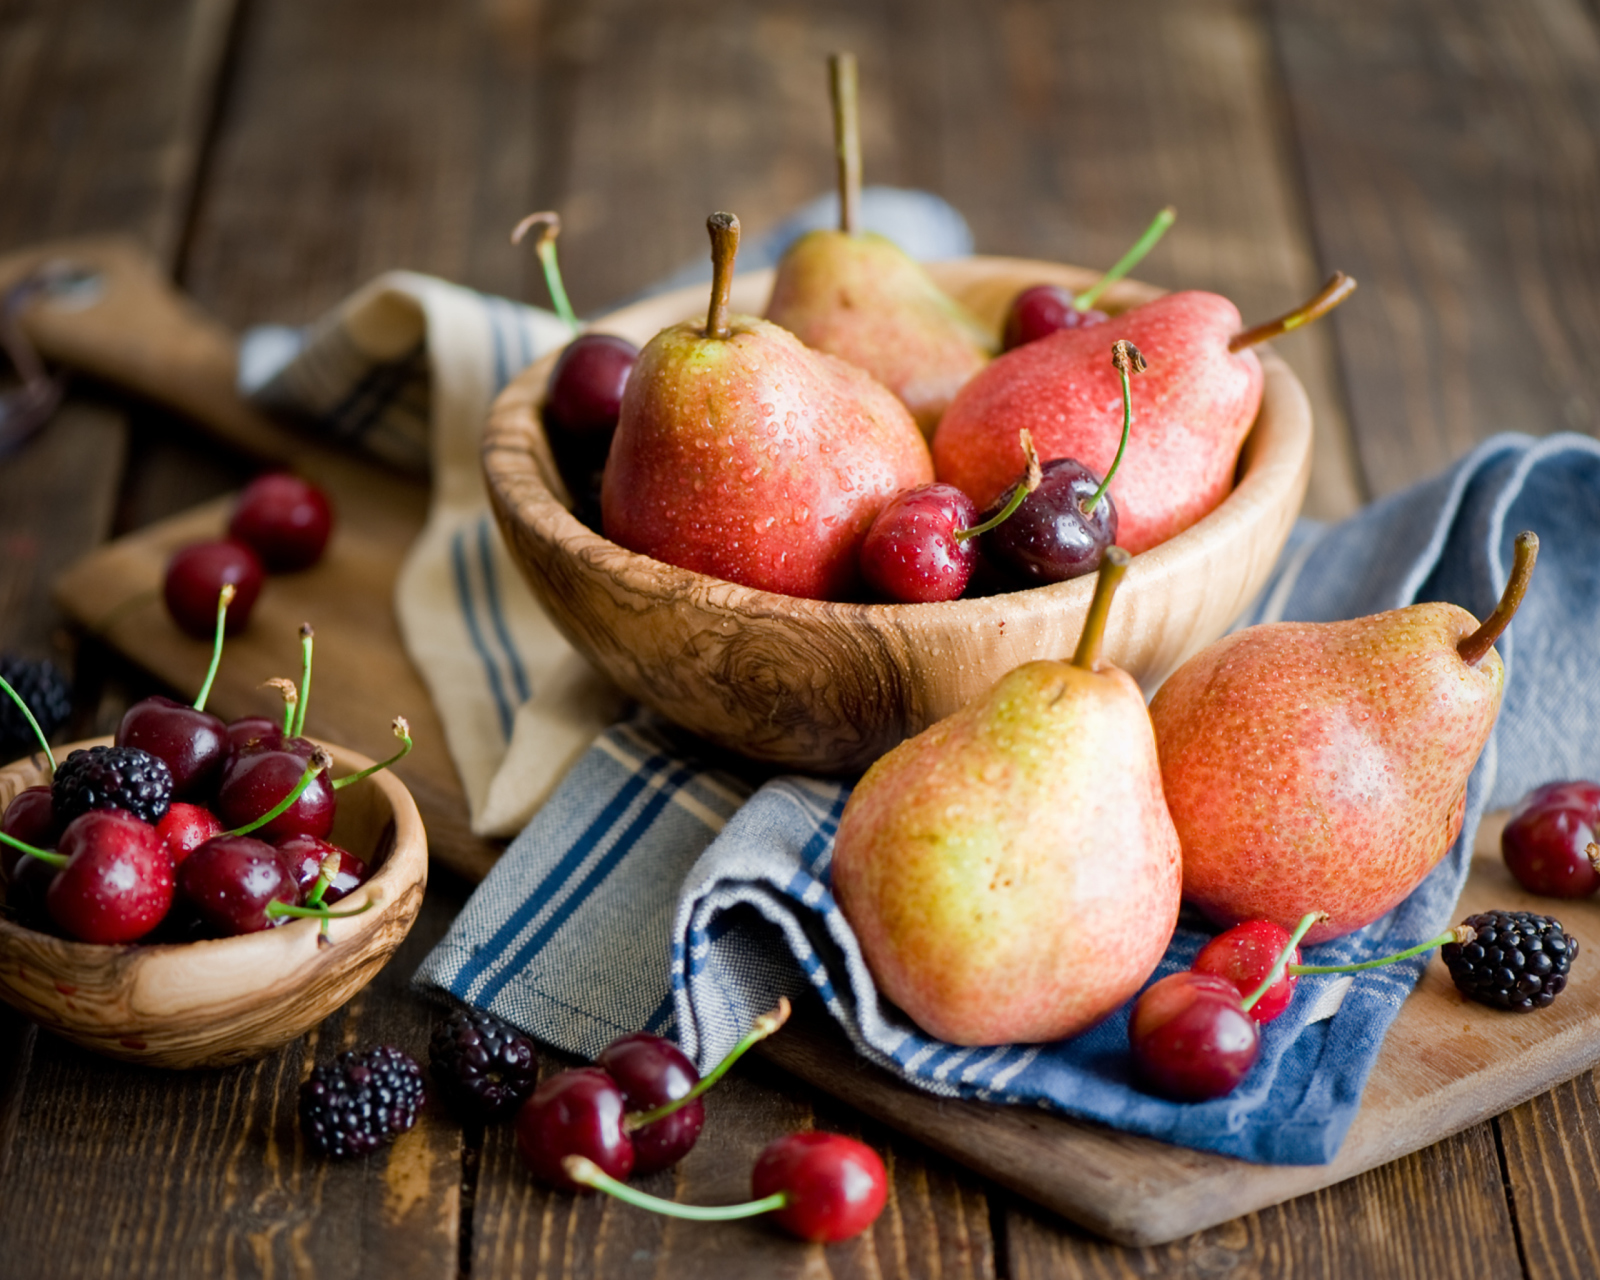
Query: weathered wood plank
point(1450, 161)
point(1552, 1163)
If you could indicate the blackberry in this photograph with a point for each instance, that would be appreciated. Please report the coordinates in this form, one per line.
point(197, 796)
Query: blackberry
point(112, 778)
point(47, 694)
point(361, 1100)
point(484, 1066)
point(1517, 961)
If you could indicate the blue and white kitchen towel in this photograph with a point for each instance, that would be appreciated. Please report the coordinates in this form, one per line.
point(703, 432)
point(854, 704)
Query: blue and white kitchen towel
point(649, 850)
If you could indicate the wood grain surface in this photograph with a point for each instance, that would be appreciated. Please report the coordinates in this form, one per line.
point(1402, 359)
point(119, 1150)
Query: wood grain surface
point(274, 153)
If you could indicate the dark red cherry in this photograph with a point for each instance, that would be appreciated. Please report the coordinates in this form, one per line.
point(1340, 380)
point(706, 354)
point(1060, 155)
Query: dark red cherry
point(1049, 538)
point(305, 855)
point(835, 1186)
point(30, 818)
point(586, 385)
point(25, 891)
point(1191, 1037)
point(911, 552)
point(192, 743)
point(195, 576)
point(651, 1071)
point(185, 828)
point(251, 731)
point(255, 780)
point(574, 1113)
point(1546, 842)
point(230, 881)
point(1244, 955)
point(1042, 310)
point(285, 520)
point(117, 884)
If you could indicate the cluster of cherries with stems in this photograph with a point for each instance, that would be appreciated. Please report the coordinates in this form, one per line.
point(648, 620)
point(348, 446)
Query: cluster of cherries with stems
point(280, 524)
point(240, 828)
point(1550, 843)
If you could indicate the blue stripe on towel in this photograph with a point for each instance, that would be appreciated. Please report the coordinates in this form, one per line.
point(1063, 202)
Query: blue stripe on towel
point(469, 615)
point(491, 594)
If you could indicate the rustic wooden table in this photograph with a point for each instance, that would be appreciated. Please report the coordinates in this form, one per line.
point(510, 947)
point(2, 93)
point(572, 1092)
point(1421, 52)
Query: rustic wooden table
point(276, 153)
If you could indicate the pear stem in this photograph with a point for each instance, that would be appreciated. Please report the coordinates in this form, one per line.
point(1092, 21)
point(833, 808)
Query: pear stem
point(306, 635)
point(1128, 261)
point(1476, 647)
point(1112, 566)
point(846, 137)
point(1594, 855)
point(587, 1173)
point(1462, 933)
point(1032, 478)
point(724, 229)
point(763, 1027)
point(320, 761)
point(32, 723)
point(1282, 962)
point(224, 599)
point(549, 224)
point(1338, 288)
point(1127, 359)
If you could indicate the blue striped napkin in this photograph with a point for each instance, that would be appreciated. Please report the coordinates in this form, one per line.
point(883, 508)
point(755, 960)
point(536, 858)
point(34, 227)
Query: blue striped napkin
point(656, 891)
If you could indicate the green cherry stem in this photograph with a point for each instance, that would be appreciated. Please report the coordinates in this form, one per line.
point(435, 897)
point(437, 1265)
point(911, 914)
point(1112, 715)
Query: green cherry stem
point(32, 723)
point(48, 856)
point(325, 875)
point(1127, 359)
point(290, 696)
point(587, 1173)
point(1030, 481)
point(318, 913)
point(224, 599)
point(549, 224)
point(846, 137)
point(1282, 962)
point(763, 1027)
point(1112, 566)
point(320, 761)
point(306, 637)
point(402, 730)
point(1462, 933)
point(1475, 648)
point(1128, 261)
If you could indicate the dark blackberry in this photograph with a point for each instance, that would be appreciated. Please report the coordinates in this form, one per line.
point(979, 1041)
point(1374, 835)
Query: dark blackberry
point(361, 1100)
point(1516, 961)
point(112, 778)
point(485, 1067)
point(48, 696)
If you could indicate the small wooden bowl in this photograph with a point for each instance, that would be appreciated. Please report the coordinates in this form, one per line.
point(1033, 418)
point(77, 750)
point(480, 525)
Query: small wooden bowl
point(207, 1004)
point(829, 687)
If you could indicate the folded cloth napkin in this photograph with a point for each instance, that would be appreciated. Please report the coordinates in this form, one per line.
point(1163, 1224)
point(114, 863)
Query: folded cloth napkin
point(406, 369)
point(650, 893)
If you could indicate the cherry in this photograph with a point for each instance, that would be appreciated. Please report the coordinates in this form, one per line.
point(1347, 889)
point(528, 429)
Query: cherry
point(1042, 310)
point(191, 741)
point(231, 881)
point(1244, 955)
point(25, 890)
point(185, 828)
point(585, 392)
point(257, 778)
point(911, 552)
point(651, 1071)
point(114, 883)
point(574, 1113)
point(285, 520)
point(1547, 842)
point(251, 731)
point(30, 818)
point(1192, 1038)
point(306, 856)
point(195, 576)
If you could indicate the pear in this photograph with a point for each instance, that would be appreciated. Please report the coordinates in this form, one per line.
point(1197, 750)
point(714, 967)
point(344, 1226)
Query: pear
point(859, 296)
point(1199, 403)
point(1011, 872)
point(742, 454)
point(1323, 766)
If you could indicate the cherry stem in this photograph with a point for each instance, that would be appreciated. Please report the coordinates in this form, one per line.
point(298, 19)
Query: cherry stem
point(32, 723)
point(763, 1027)
point(325, 875)
point(320, 761)
point(724, 229)
point(49, 856)
point(224, 599)
point(276, 908)
point(306, 636)
point(1128, 261)
point(290, 696)
point(1338, 288)
point(1476, 647)
point(1126, 359)
point(1031, 480)
point(846, 137)
point(549, 224)
point(587, 1173)
point(402, 730)
point(1112, 566)
point(1462, 933)
point(1282, 962)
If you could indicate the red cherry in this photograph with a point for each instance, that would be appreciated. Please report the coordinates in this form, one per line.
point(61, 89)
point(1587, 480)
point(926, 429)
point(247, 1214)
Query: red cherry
point(256, 779)
point(117, 884)
point(305, 856)
point(229, 881)
point(1049, 538)
point(1244, 955)
point(30, 818)
point(29, 881)
point(1042, 310)
point(835, 1186)
point(586, 385)
point(911, 552)
point(185, 828)
point(651, 1071)
point(1546, 842)
point(1191, 1037)
point(195, 576)
point(285, 520)
point(251, 731)
point(191, 743)
point(574, 1113)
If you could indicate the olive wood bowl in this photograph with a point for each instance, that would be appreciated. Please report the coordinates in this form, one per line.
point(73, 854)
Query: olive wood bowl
point(207, 1004)
point(828, 687)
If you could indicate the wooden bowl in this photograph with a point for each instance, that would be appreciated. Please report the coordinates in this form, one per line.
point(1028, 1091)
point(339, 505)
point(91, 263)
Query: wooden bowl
point(828, 687)
point(206, 1004)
